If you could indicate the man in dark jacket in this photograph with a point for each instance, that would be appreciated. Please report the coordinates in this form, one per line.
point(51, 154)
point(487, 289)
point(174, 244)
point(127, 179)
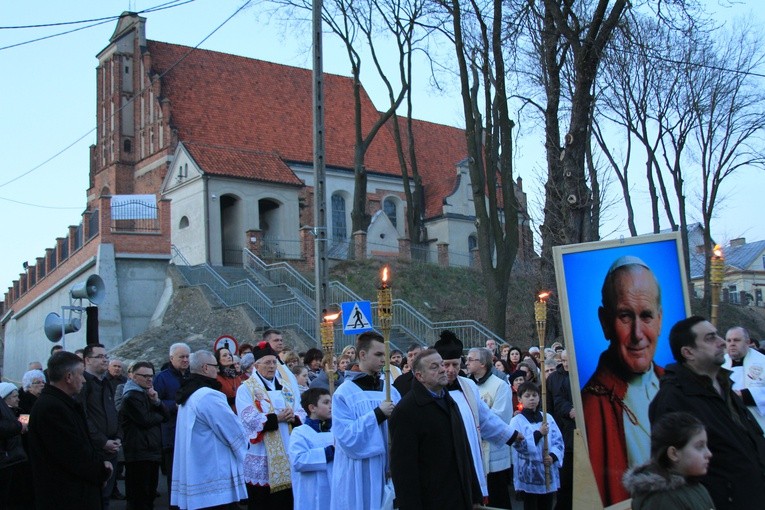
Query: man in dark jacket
point(561, 406)
point(167, 383)
point(68, 472)
point(141, 414)
point(430, 454)
point(698, 385)
point(98, 400)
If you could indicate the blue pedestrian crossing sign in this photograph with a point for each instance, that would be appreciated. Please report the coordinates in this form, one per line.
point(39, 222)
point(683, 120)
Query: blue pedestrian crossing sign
point(357, 317)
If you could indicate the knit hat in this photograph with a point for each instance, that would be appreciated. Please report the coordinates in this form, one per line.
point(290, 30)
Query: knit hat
point(6, 389)
point(247, 361)
point(263, 349)
point(449, 346)
point(515, 375)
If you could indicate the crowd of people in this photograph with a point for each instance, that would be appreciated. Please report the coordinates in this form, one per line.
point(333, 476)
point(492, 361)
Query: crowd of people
point(446, 428)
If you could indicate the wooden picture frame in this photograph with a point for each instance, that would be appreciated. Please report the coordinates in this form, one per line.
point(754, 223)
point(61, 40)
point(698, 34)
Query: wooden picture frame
point(580, 272)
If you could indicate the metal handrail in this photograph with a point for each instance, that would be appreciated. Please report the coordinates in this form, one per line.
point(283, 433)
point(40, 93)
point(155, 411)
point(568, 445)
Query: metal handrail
point(299, 311)
point(405, 316)
point(289, 312)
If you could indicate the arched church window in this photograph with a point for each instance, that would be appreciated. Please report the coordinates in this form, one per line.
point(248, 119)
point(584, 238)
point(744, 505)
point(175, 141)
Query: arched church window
point(338, 218)
point(389, 208)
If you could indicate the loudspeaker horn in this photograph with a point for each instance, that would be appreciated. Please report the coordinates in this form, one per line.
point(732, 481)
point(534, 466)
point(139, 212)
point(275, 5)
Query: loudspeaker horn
point(92, 289)
point(53, 326)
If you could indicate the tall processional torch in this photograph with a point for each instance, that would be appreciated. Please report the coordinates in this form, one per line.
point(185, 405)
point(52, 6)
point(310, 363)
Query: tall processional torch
point(540, 314)
point(328, 345)
point(716, 276)
point(385, 316)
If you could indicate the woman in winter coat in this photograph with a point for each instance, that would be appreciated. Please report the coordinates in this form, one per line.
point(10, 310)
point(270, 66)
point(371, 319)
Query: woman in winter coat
point(679, 456)
point(16, 490)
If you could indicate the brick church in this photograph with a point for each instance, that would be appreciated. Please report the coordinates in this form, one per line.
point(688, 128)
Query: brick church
point(218, 149)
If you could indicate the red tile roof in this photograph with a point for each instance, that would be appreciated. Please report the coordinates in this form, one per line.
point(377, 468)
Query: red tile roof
point(263, 110)
point(242, 163)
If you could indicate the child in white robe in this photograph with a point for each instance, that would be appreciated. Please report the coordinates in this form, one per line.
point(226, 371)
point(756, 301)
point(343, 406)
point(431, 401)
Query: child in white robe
point(311, 451)
point(529, 460)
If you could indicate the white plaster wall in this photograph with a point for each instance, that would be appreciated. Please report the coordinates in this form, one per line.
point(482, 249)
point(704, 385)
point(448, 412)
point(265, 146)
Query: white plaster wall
point(25, 338)
point(382, 236)
point(249, 193)
point(184, 186)
point(141, 283)
point(188, 201)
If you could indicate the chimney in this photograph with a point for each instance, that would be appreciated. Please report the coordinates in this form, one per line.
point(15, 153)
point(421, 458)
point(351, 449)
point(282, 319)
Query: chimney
point(739, 241)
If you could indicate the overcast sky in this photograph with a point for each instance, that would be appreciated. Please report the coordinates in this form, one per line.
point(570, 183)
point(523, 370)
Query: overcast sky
point(47, 107)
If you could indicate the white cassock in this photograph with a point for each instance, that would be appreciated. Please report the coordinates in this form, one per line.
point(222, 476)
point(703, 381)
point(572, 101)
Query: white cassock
point(311, 473)
point(361, 446)
point(495, 392)
point(528, 469)
point(751, 376)
point(209, 452)
point(493, 429)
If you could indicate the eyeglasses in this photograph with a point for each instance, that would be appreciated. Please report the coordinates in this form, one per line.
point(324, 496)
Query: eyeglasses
point(211, 364)
point(148, 376)
point(100, 356)
point(471, 360)
point(38, 382)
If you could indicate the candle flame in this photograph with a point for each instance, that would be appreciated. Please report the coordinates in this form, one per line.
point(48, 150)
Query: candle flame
point(717, 251)
point(331, 318)
point(544, 295)
point(385, 274)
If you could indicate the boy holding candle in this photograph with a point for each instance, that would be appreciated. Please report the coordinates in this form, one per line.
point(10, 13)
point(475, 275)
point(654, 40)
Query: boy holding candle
point(311, 452)
point(530, 460)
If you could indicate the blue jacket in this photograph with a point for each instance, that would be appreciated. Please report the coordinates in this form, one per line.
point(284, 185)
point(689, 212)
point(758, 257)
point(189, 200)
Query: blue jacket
point(167, 383)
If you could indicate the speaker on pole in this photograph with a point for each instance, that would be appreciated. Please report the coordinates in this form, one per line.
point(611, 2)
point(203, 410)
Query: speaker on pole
point(55, 326)
point(91, 325)
point(92, 289)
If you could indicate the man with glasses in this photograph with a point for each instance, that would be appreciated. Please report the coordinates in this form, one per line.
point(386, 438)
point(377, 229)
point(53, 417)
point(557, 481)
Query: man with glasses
point(167, 383)
point(141, 414)
point(268, 410)
point(209, 442)
point(97, 399)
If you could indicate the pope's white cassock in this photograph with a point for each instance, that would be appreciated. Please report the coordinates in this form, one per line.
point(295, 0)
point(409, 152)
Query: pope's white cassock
point(209, 452)
point(361, 454)
point(311, 473)
point(492, 428)
point(751, 376)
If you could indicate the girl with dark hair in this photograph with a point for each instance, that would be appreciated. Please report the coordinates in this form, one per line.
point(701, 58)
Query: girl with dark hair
point(312, 361)
point(513, 358)
point(679, 457)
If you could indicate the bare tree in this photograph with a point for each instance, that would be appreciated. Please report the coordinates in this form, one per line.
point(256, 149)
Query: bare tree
point(347, 19)
point(477, 30)
point(729, 118)
point(645, 81)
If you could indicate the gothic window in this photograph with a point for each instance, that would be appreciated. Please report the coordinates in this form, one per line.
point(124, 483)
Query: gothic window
point(338, 218)
point(389, 208)
point(472, 242)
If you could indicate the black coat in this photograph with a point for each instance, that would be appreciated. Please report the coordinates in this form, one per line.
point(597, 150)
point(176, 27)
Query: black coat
point(403, 383)
point(140, 421)
point(736, 475)
point(68, 472)
point(431, 462)
point(11, 449)
point(560, 404)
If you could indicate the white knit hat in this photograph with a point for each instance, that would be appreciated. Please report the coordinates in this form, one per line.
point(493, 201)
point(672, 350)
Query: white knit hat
point(6, 389)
